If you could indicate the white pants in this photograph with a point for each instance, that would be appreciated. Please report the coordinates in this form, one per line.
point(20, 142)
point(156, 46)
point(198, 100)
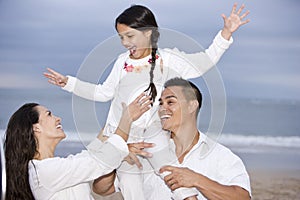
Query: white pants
point(131, 178)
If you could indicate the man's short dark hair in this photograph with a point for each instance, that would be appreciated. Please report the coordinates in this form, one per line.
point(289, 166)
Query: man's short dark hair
point(189, 89)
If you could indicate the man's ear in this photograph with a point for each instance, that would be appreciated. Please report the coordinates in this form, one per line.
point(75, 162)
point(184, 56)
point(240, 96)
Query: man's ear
point(148, 33)
point(193, 105)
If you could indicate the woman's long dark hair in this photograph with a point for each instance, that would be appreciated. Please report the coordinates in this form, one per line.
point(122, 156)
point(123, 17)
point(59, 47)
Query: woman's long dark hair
point(141, 18)
point(20, 147)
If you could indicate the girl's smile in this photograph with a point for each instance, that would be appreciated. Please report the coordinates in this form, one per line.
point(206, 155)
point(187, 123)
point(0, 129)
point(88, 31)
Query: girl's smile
point(137, 42)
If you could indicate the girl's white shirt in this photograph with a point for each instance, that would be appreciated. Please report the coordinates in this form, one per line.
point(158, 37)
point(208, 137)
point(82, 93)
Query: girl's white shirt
point(124, 86)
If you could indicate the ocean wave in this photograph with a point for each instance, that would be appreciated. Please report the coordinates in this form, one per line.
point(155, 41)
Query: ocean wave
point(260, 141)
point(72, 136)
point(230, 140)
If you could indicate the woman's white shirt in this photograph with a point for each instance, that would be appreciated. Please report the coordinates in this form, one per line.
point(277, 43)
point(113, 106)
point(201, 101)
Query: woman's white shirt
point(70, 177)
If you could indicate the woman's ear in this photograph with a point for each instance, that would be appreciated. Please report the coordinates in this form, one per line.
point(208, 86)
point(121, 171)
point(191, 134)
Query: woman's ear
point(36, 128)
point(193, 106)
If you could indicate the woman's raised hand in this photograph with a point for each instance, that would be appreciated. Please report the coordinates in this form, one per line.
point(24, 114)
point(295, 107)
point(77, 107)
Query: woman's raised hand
point(132, 112)
point(56, 78)
point(138, 107)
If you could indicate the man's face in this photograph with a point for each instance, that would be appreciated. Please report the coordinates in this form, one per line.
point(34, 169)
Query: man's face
point(173, 110)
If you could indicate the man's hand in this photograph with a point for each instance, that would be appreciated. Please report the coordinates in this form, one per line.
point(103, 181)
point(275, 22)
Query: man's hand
point(178, 177)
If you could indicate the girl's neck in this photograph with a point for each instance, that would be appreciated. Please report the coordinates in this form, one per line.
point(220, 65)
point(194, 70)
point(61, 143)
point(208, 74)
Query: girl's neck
point(146, 53)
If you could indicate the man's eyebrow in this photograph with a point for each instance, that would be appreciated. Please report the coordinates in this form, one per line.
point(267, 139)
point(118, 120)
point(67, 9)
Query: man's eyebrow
point(171, 96)
point(168, 97)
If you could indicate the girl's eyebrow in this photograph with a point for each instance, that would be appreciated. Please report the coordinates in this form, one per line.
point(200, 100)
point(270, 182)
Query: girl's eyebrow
point(125, 33)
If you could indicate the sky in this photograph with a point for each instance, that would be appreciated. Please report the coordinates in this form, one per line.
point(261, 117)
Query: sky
point(263, 61)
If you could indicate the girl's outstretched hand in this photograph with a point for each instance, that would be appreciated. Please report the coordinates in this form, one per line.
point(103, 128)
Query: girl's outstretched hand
point(56, 78)
point(234, 21)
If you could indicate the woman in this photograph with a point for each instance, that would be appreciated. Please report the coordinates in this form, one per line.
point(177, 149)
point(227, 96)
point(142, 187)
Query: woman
point(33, 172)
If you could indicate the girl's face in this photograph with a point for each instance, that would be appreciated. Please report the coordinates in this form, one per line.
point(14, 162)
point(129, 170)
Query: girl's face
point(137, 42)
point(49, 126)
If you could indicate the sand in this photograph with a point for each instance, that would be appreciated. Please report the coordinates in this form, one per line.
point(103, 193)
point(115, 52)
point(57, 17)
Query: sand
point(274, 173)
point(275, 184)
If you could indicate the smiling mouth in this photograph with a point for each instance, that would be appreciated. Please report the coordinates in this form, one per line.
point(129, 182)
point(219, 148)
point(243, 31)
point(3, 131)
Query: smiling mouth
point(132, 50)
point(164, 118)
point(59, 126)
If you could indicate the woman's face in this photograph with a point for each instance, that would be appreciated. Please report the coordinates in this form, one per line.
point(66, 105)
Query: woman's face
point(49, 126)
point(137, 42)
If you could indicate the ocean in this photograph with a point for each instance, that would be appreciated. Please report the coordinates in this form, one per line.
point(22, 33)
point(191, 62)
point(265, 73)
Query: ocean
point(252, 128)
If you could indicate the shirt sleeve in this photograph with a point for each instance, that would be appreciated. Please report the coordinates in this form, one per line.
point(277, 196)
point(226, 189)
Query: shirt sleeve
point(192, 65)
point(232, 171)
point(101, 158)
point(96, 92)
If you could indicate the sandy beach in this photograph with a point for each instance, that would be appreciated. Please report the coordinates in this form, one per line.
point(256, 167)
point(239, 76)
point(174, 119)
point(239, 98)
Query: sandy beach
point(275, 184)
point(274, 174)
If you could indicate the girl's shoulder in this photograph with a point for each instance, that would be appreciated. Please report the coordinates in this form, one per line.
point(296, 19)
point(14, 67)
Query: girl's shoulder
point(170, 52)
point(122, 57)
point(172, 55)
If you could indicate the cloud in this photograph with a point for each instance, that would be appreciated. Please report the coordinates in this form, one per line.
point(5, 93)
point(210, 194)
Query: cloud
point(60, 34)
point(23, 81)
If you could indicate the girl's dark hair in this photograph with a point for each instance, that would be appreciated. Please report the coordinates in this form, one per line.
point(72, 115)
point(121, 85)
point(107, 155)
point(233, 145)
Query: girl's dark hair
point(141, 18)
point(20, 147)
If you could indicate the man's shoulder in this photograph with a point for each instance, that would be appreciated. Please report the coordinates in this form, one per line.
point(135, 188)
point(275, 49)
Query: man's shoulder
point(214, 146)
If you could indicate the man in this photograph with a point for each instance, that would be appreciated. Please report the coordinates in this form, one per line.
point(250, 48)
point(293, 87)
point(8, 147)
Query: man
point(206, 165)
point(209, 167)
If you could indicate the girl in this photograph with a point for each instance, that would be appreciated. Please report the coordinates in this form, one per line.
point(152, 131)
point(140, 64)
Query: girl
point(144, 61)
point(33, 172)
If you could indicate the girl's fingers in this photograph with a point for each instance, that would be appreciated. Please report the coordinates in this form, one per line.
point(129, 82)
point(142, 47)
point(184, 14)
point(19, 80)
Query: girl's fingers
point(55, 74)
point(50, 76)
point(52, 82)
point(234, 8)
point(245, 14)
point(240, 9)
point(52, 71)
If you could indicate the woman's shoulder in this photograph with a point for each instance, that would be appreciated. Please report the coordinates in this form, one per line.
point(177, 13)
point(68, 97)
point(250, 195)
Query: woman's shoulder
point(45, 162)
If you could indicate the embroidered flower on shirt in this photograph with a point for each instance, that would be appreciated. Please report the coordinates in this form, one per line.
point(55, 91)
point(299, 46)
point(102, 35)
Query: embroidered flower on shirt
point(150, 59)
point(139, 68)
point(128, 68)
